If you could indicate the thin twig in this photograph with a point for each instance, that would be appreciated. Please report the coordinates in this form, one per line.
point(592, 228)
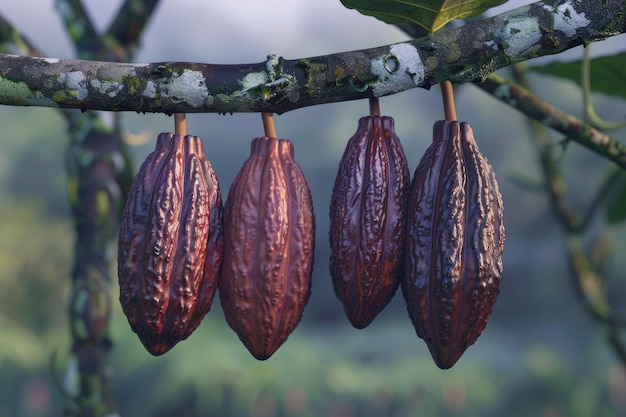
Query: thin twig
point(573, 128)
point(590, 114)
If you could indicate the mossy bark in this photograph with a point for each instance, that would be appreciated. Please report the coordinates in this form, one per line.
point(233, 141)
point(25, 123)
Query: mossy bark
point(465, 54)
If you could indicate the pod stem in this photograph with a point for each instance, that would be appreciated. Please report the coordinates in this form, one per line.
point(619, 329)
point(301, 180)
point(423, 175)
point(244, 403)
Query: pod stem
point(180, 124)
point(374, 106)
point(449, 109)
point(268, 124)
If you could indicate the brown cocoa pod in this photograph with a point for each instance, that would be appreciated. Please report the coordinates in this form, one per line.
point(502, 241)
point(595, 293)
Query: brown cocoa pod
point(454, 243)
point(269, 229)
point(367, 215)
point(170, 243)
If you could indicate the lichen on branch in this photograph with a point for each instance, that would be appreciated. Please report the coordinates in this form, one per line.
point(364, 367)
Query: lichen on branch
point(465, 54)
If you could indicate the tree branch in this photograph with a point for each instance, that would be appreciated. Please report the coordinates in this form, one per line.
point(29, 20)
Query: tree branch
point(574, 129)
point(79, 27)
point(130, 21)
point(468, 53)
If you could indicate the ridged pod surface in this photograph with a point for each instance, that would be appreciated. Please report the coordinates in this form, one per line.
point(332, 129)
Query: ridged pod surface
point(367, 215)
point(269, 229)
point(454, 243)
point(170, 243)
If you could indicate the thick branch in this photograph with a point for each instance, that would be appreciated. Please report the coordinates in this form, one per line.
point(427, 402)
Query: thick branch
point(468, 53)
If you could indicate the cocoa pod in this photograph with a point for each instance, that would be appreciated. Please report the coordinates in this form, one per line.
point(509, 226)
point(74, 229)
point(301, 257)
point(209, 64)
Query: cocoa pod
point(269, 241)
point(367, 215)
point(454, 243)
point(170, 243)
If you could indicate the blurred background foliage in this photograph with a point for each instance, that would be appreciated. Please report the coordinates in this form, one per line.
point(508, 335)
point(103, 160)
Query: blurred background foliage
point(540, 355)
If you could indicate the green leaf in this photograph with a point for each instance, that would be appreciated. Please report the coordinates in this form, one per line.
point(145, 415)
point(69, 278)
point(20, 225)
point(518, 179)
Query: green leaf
point(607, 73)
point(432, 15)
